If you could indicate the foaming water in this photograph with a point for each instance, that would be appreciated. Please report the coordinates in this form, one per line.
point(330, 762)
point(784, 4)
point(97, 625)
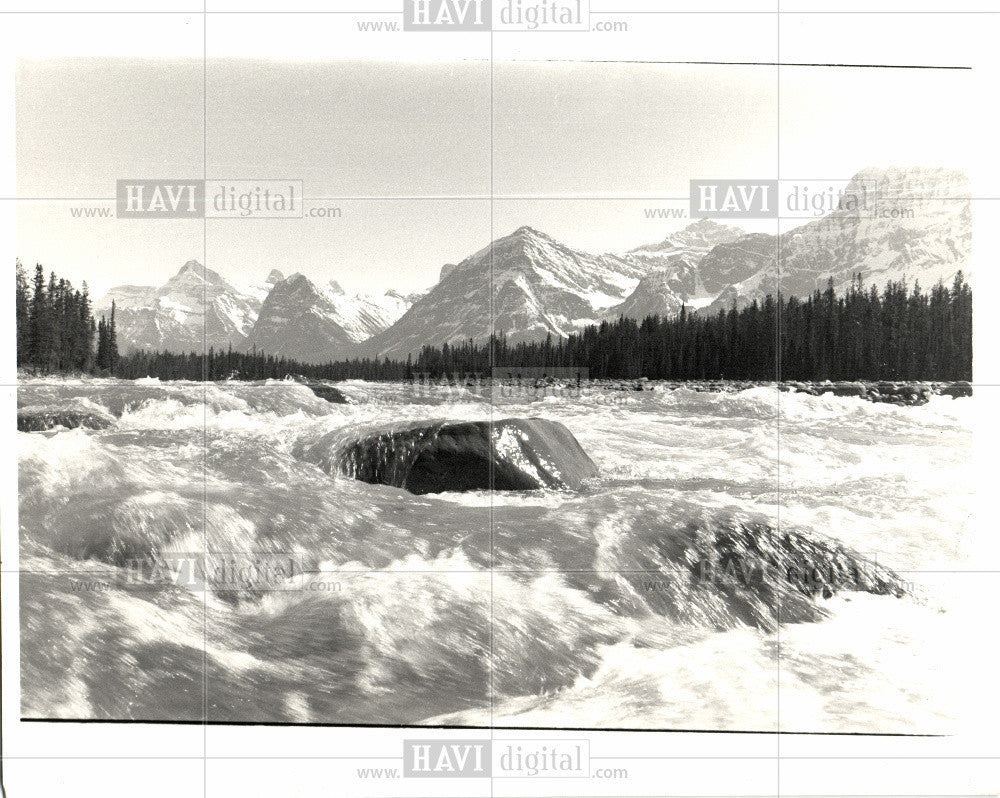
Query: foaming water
point(537, 608)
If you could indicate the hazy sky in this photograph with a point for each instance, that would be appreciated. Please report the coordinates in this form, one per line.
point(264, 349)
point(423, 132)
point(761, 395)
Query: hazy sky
point(575, 148)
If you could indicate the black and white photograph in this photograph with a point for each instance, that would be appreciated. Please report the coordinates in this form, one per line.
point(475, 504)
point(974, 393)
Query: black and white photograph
point(558, 399)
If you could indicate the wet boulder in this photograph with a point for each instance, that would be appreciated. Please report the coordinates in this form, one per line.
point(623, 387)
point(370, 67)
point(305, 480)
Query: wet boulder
point(328, 392)
point(848, 389)
point(913, 394)
point(725, 573)
point(512, 454)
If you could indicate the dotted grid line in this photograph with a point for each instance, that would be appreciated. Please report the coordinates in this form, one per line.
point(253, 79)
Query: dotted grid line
point(370, 12)
point(492, 466)
point(204, 371)
point(777, 374)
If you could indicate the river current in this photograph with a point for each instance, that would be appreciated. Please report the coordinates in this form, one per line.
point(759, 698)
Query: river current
point(367, 604)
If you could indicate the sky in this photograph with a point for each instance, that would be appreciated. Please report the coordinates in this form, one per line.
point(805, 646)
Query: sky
point(581, 151)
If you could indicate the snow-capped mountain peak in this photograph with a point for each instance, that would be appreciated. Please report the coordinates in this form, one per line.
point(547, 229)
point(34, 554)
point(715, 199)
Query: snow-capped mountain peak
point(298, 321)
point(194, 307)
point(701, 235)
point(539, 286)
point(914, 224)
point(364, 315)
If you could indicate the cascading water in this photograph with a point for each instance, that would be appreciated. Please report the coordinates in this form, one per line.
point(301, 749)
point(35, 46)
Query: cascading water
point(625, 603)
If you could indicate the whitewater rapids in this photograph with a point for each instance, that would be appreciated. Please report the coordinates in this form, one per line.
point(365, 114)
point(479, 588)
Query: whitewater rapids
point(543, 608)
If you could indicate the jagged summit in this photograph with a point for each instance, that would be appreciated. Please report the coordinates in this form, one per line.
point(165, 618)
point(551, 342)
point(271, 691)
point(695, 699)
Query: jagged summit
point(198, 305)
point(704, 224)
point(298, 321)
point(914, 178)
point(527, 230)
point(195, 306)
point(542, 287)
point(194, 271)
point(523, 236)
point(702, 234)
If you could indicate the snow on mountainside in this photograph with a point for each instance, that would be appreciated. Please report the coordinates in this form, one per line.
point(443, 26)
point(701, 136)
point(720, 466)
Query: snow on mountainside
point(675, 279)
point(128, 297)
point(316, 324)
point(694, 240)
point(539, 286)
point(299, 321)
point(196, 307)
point(920, 229)
point(261, 290)
point(364, 315)
point(915, 225)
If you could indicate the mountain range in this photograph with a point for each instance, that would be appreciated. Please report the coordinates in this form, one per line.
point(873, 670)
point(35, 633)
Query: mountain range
point(532, 286)
point(283, 315)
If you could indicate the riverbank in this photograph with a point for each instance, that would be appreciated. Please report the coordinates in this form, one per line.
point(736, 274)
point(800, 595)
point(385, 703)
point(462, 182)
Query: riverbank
point(909, 393)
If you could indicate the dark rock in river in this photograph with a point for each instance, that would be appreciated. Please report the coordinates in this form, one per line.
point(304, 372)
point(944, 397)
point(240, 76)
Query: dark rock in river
point(722, 574)
point(957, 390)
point(516, 454)
point(328, 392)
point(847, 389)
point(898, 393)
point(40, 419)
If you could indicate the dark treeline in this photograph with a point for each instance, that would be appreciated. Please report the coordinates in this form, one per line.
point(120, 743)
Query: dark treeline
point(252, 365)
point(56, 329)
point(895, 334)
point(866, 334)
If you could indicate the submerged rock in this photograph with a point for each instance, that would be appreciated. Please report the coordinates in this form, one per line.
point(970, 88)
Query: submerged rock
point(846, 389)
point(329, 393)
point(512, 454)
point(722, 574)
point(41, 419)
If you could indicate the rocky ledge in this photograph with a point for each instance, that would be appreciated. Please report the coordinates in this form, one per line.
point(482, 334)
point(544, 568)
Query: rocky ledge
point(899, 393)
